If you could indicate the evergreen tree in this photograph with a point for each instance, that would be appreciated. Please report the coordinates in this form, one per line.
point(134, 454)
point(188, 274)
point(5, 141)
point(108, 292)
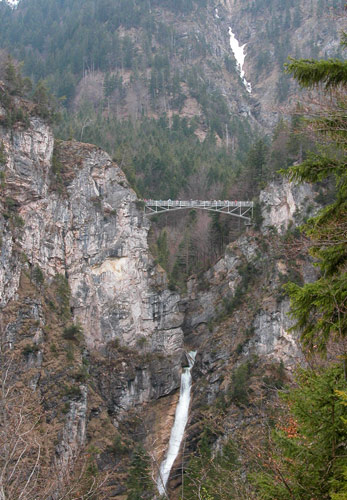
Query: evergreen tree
point(43, 101)
point(310, 72)
point(17, 85)
point(10, 74)
point(306, 456)
point(140, 485)
point(320, 308)
point(257, 160)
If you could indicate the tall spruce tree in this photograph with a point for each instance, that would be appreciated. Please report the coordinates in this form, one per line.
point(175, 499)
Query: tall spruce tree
point(320, 308)
point(140, 485)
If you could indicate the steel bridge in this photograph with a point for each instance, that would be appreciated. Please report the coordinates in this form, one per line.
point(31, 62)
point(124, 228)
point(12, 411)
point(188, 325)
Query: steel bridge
point(241, 209)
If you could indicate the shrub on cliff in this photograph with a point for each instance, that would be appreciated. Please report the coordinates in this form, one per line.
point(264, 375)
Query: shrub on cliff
point(73, 332)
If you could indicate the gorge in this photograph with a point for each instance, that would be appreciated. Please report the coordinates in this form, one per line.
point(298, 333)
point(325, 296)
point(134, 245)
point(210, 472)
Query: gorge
point(84, 233)
point(152, 344)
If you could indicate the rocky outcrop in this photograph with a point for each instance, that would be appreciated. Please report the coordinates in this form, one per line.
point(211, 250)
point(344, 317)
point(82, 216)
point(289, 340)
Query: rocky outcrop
point(283, 203)
point(80, 219)
point(127, 380)
point(271, 336)
point(260, 326)
point(268, 257)
point(73, 435)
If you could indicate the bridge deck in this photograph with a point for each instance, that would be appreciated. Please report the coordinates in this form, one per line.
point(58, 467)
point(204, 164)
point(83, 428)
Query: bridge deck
point(197, 203)
point(241, 209)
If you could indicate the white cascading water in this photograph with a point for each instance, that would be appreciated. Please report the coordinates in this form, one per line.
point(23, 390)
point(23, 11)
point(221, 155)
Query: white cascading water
point(177, 431)
point(239, 53)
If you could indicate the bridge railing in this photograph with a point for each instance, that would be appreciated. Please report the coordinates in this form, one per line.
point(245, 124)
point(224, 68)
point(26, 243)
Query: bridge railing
point(197, 203)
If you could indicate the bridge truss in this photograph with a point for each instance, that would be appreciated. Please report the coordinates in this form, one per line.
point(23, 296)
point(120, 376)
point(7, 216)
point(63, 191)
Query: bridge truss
point(241, 209)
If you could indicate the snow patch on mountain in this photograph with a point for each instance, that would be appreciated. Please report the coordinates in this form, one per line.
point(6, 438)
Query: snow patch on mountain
point(240, 56)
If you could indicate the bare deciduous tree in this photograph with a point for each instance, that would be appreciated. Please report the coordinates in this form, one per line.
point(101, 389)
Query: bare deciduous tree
point(28, 467)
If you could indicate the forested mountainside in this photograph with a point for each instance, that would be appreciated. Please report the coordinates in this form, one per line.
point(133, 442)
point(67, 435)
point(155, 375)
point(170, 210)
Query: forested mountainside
point(138, 58)
point(169, 65)
point(246, 331)
point(157, 86)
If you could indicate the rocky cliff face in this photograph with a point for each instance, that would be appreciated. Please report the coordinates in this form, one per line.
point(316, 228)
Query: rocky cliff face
point(219, 291)
point(81, 297)
point(260, 325)
point(286, 204)
point(82, 221)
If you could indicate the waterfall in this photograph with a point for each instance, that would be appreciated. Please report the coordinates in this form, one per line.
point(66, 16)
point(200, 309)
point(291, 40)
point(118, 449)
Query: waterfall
point(177, 431)
point(239, 53)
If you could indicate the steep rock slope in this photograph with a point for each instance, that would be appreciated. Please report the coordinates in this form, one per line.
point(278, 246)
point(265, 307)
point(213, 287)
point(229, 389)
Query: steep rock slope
point(82, 221)
point(87, 317)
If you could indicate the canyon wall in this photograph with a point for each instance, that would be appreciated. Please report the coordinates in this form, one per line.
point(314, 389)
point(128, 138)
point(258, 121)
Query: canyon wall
point(86, 312)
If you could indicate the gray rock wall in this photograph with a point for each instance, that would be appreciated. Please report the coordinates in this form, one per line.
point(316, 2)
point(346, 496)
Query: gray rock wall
point(260, 323)
point(86, 226)
point(283, 202)
point(94, 234)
